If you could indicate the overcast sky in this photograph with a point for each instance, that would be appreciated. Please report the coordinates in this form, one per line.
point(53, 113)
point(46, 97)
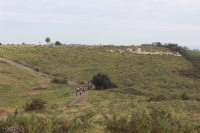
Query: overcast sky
point(119, 22)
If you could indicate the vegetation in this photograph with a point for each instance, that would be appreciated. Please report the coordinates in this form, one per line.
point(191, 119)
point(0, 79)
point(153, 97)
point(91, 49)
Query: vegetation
point(18, 86)
point(58, 43)
point(20, 123)
point(47, 39)
point(157, 82)
point(193, 53)
point(192, 57)
point(36, 104)
point(185, 96)
point(59, 81)
point(102, 81)
point(158, 120)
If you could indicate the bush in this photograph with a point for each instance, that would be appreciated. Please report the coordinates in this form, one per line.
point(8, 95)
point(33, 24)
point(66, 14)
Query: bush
point(102, 81)
point(59, 81)
point(158, 98)
point(36, 104)
point(58, 43)
point(158, 120)
point(51, 124)
point(185, 96)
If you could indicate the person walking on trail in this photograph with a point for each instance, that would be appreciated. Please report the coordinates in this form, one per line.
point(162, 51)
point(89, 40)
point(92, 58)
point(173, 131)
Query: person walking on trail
point(80, 91)
point(36, 69)
point(77, 89)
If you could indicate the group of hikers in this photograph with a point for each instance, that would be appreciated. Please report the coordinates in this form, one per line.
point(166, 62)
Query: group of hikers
point(80, 90)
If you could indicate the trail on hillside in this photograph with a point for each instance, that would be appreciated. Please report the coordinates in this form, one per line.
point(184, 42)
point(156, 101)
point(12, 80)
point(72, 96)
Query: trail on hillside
point(80, 98)
point(32, 70)
point(77, 100)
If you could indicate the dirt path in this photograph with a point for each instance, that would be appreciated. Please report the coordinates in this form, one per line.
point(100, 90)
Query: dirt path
point(32, 70)
point(77, 100)
point(80, 98)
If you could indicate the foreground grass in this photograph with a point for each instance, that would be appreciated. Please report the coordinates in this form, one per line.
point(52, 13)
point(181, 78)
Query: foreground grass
point(116, 110)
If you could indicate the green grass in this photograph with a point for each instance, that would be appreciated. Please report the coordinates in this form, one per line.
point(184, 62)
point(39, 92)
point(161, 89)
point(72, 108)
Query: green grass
point(81, 63)
point(18, 86)
point(194, 53)
point(158, 74)
point(152, 76)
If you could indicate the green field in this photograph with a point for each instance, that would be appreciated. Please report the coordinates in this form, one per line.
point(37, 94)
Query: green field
point(19, 86)
point(156, 81)
point(194, 53)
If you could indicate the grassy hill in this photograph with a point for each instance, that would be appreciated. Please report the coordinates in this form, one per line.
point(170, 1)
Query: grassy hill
point(156, 80)
point(194, 53)
point(19, 86)
point(81, 63)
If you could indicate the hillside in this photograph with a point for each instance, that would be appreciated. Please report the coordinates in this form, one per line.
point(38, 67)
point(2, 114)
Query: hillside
point(81, 63)
point(19, 86)
point(156, 81)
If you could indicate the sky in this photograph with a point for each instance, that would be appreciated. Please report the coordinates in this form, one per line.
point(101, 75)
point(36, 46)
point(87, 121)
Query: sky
point(118, 22)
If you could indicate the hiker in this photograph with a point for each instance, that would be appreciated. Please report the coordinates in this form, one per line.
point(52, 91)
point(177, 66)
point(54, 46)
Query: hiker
point(76, 93)
point(36, 69)
point(77, 89)
point(83, 89)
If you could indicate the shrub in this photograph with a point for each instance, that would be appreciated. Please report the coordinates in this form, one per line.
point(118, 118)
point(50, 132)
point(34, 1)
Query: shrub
point(59, 81)
point(185, 96)
point(158, 120)
point(36, 104)
point(158, 98)
point(33, 124)
point(58, 43)
point(81, 123)
point(51, 124)
point(102, 81)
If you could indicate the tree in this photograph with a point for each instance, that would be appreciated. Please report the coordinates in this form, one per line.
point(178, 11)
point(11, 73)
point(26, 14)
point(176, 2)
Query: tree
point(58, 43)
point(102, 81)
point(159, 44)
point(47, 40)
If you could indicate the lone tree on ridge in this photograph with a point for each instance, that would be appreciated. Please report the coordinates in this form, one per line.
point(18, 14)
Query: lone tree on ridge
point(47, 40)
point(58, 43)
